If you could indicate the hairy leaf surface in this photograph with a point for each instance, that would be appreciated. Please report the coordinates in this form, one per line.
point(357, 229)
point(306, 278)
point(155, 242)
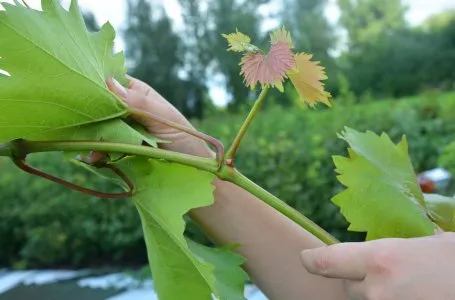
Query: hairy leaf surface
point(57, 68)
point(268, 69)
point(383, 197)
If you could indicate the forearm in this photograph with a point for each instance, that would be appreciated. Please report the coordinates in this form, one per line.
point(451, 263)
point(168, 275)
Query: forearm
point(270, 242)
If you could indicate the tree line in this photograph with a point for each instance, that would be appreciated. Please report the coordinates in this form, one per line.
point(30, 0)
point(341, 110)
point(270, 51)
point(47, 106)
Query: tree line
point(371, 52)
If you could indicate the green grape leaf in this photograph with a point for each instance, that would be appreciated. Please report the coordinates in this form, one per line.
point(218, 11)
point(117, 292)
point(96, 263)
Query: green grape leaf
point(104, 173)
point(147, 137)
point(58, 70)
point(114, 130)
point(230, 276)
point(441, 210)
point(383, 197)
point(164, 193)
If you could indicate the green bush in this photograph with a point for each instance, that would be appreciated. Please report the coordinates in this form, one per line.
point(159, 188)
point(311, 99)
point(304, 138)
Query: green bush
point(288, 151)
point(44, 225)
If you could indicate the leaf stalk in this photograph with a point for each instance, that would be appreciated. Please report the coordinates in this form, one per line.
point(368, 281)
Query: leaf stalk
point(246, 124)
point(242, 181)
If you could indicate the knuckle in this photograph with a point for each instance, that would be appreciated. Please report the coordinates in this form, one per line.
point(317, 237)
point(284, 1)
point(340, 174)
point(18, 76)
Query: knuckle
point(383, 261)
point(322, 262)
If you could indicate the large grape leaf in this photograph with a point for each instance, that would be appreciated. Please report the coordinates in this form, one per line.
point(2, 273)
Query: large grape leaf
point(58, 70)
point(441, 210)
point(114, 130)
point(164, 193)
point(383, 197)
point(230, 277)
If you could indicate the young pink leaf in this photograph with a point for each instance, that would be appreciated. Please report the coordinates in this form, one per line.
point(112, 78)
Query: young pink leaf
point(269, 69)
point(307, 80)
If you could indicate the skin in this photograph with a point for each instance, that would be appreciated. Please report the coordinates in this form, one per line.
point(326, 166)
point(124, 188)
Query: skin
point(287, 262)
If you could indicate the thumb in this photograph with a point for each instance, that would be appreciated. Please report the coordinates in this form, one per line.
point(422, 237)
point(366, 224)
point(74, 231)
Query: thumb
point(135, 98)
point(117, 88)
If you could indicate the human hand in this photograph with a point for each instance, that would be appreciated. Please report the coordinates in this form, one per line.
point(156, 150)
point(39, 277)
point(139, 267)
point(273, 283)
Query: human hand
point(390, 269)
point(141, 96)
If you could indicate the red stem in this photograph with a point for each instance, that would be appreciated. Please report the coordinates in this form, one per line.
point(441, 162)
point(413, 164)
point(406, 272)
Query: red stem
point(20, 163)
point(205, 137)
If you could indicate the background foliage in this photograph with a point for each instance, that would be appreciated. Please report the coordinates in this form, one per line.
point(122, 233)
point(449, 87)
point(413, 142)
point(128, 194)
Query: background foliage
point(288, 152)
point(385, 74)
point(372, 48)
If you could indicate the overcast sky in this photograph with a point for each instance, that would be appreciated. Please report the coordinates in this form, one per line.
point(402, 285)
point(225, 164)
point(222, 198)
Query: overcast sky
point(114, 12)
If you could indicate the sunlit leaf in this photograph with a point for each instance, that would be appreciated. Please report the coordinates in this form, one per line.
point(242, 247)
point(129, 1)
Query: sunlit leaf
point(307, 79)
point(58, 70)
point(238, 42)
point(383, 197)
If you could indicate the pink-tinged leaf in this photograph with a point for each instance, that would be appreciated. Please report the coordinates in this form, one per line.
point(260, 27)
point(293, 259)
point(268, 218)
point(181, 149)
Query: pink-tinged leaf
point(307, 80)
point(269, 69)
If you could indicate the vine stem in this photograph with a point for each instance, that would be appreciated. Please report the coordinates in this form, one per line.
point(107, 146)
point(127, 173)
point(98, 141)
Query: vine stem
point(19, 148)
point(241, 134)
point(242, 181)
point(207, 138)
point(23, 147)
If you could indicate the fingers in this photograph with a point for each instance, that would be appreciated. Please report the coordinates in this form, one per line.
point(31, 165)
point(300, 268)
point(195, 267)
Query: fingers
point(117, 88)
point(141, 96)
point(138, 95)
point(138, 85)
point(345, 261)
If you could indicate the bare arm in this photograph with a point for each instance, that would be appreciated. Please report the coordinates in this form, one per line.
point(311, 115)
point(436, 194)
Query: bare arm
point(270, 242)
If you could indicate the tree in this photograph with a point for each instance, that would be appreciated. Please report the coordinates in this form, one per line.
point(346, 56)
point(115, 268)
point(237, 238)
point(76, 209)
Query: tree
point(311, 32)
point(156, 56)
point(367, 20)
point(393, 58)
point(205, 21)
point(90, 21)
point(372, 26)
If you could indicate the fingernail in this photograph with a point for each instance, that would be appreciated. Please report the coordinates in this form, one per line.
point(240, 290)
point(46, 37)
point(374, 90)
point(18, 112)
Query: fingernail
point(121, 90)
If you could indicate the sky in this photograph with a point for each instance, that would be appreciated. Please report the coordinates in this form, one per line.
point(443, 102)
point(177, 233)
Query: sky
point(114, 11)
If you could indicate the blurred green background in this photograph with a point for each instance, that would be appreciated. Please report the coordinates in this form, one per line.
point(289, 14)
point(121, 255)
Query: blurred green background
point(386, 75)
